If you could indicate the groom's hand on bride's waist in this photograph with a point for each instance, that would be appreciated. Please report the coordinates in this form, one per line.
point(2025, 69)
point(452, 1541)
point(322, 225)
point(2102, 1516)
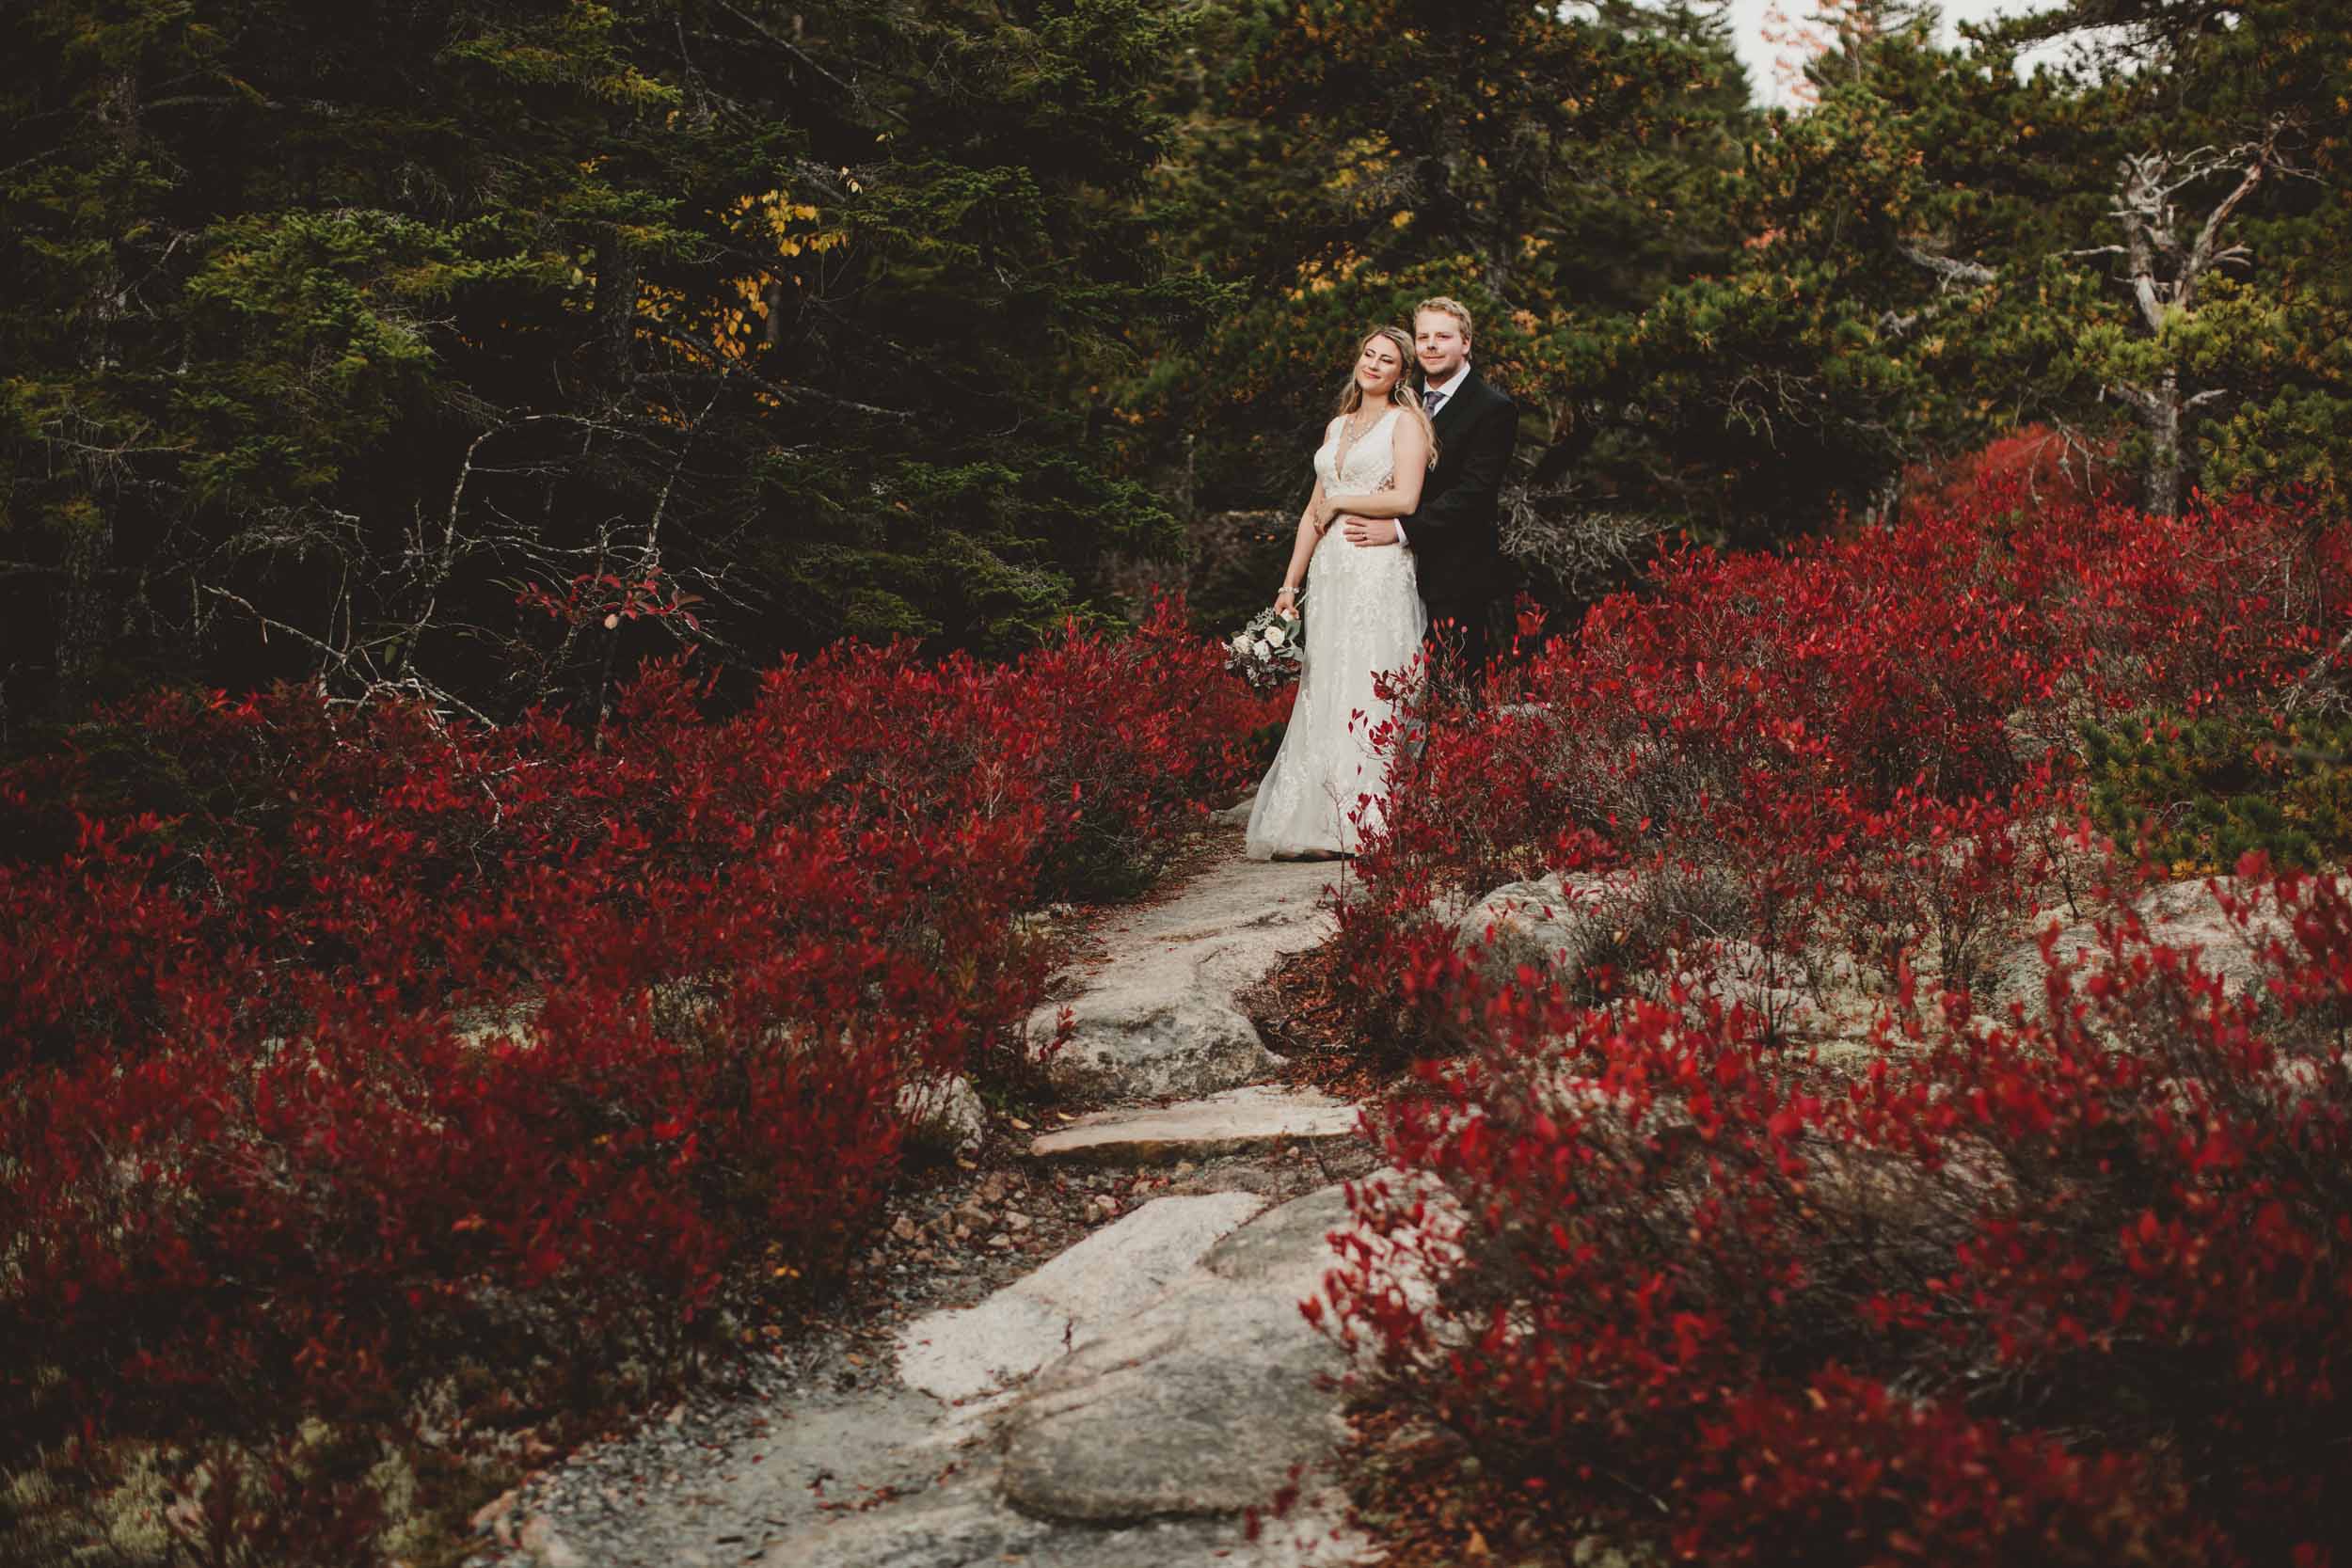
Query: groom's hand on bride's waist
point(1369, 530)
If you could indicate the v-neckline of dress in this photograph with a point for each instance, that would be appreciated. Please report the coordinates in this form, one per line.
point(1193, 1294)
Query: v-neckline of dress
point(1342, 446)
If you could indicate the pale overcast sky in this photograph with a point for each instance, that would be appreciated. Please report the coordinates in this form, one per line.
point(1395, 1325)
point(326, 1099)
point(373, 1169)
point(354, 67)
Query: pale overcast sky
point(1747, 18)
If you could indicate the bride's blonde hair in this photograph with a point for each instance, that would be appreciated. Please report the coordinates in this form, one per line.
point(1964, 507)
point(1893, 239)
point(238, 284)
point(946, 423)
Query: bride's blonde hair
point(1402, 394)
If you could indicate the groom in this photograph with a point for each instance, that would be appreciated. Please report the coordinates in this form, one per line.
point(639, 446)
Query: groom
point(1453, 534)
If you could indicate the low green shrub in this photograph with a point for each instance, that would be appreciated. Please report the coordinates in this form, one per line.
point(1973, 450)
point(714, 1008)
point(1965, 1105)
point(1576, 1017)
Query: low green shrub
point(2198, 794)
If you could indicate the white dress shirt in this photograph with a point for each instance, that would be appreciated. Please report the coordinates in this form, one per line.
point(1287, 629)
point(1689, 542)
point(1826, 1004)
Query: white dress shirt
point(1450, 386)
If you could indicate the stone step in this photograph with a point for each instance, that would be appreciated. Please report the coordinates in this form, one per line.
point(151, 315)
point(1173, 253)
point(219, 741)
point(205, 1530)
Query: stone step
point(965, 1353)
point(1257, 1116)
point(1157, 1014)
point(1154, 1385)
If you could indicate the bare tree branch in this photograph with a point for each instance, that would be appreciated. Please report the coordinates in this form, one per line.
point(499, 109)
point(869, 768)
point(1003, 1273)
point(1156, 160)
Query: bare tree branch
point(1950, 269)
point(2318, 667)
point(807, 59)
point(2202, 257)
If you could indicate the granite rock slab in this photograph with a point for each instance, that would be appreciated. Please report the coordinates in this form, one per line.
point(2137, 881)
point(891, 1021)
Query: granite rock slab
point(1157, 1017)
point(1234, 1121)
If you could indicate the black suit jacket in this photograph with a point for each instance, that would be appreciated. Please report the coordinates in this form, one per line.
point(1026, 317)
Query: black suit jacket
point(1453, 534)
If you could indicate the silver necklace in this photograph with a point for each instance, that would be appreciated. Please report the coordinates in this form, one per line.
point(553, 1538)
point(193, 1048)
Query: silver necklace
point(1350, 433)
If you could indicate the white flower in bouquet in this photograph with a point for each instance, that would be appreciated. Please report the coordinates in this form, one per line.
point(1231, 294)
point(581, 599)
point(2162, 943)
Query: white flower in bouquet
point(1266, 652)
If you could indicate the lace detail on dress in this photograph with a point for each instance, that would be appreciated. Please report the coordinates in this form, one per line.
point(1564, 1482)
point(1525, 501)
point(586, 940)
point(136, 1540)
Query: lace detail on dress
point(1364, 616)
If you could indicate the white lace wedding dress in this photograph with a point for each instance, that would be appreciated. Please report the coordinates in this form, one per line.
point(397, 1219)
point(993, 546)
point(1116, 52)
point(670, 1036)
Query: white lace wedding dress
point(1364, 615)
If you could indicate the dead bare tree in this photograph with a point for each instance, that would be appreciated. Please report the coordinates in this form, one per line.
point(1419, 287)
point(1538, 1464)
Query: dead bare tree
point(2166, 268)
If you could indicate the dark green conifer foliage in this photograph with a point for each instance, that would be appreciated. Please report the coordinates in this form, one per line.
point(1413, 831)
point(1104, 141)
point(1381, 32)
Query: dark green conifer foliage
point(2197, 794)
point(1970, 237)
point(326, 330)
point(324, 334)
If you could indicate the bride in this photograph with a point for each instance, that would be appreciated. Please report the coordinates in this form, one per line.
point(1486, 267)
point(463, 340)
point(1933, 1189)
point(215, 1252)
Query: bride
point(1324, 790)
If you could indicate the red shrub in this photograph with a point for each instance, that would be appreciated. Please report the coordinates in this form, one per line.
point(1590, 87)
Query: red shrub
point(347, 1046)
point(2040, 466)
point(2070, 1290)
point(2021, 1296)
point(1855, 1470)
point(1871, 736)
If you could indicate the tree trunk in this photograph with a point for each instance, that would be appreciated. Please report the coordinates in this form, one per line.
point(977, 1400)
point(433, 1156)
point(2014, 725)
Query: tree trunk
point(2147, 204)
point(86, 614)
point(615, 323)
point(2163, 410)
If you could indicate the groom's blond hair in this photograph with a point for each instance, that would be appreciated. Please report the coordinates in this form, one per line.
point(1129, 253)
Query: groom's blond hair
point(1443, 306)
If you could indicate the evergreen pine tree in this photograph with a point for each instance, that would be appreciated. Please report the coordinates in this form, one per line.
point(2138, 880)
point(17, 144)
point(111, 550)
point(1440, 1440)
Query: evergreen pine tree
point(327, 334)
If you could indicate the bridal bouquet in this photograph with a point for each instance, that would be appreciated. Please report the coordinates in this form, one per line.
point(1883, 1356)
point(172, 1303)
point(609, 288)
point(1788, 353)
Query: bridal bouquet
point(1266, 652)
